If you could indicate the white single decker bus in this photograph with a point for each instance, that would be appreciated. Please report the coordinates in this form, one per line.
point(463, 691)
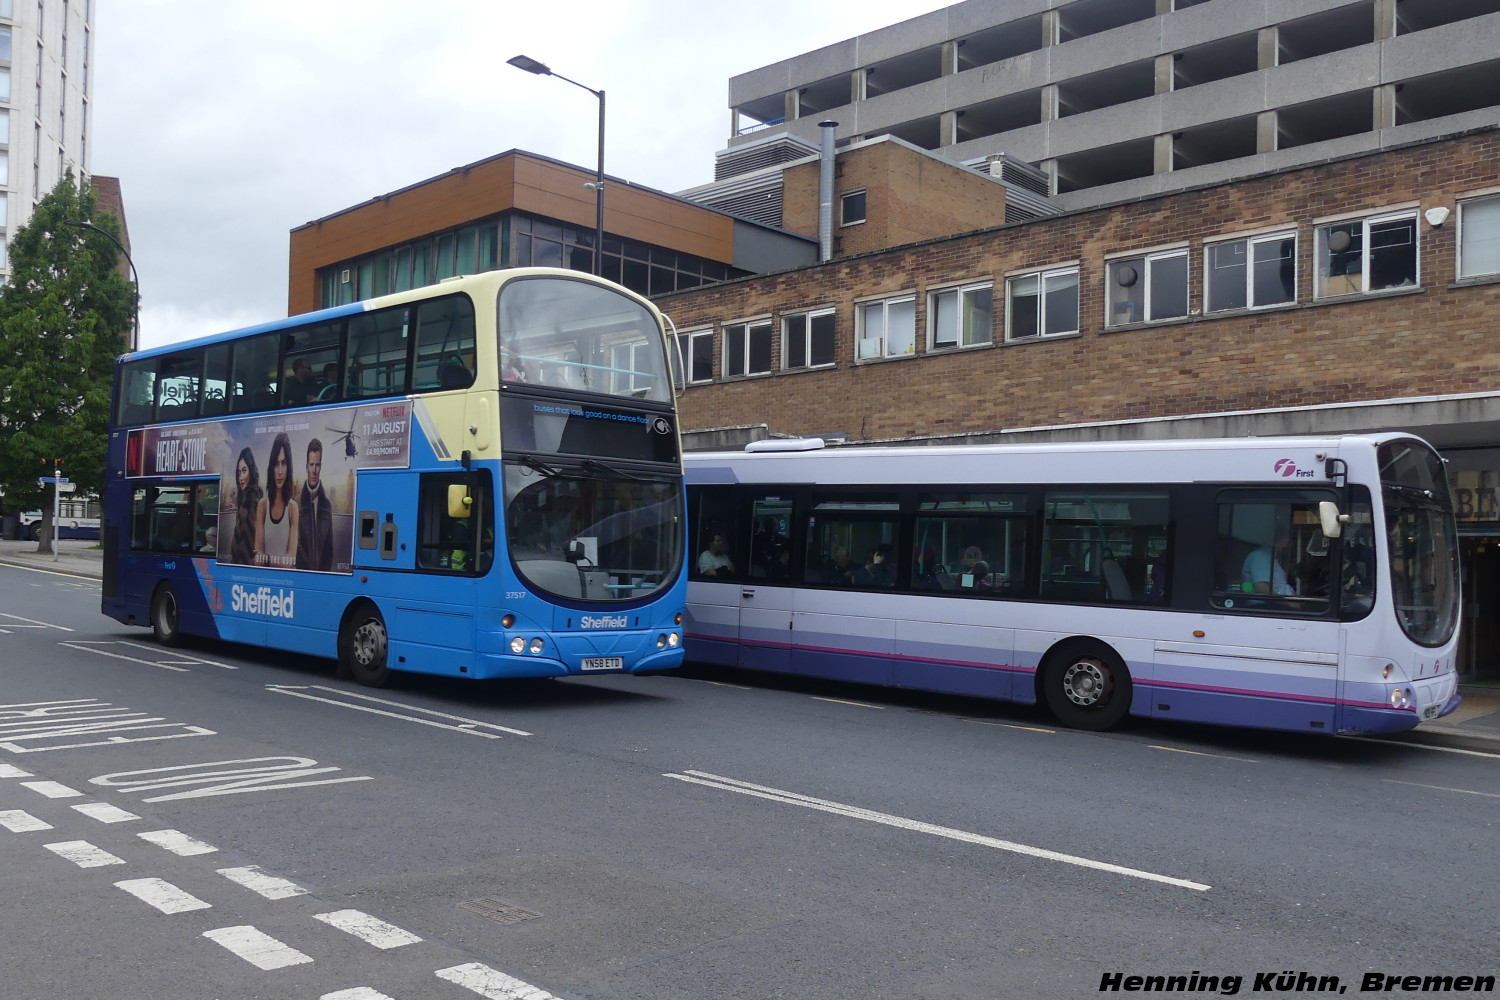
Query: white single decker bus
point(1300, 583)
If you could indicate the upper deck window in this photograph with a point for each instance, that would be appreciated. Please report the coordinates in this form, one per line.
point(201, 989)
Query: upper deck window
point(570, 334)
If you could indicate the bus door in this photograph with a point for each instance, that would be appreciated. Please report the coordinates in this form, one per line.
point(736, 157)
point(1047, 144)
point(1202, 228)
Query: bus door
point(765, 620)
point(716, 565)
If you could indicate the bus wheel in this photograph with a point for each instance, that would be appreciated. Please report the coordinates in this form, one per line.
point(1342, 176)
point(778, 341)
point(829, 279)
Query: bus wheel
point(166, 622)
point(1087, 687)
point(363, 648)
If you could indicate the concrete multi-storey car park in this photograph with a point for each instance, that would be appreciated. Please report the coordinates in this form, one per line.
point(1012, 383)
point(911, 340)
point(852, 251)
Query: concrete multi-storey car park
point(1119, 98)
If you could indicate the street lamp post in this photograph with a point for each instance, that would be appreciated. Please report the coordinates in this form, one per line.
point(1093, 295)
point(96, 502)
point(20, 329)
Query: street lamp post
point(135, 336)
point(530, 65)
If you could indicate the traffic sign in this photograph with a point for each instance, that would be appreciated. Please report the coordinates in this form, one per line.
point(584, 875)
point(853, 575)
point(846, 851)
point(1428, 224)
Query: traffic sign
point(66, 487)
point(50, 480)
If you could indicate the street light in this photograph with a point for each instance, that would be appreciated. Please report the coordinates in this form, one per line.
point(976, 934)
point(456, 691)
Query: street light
point(530, 65)
point(135, 338)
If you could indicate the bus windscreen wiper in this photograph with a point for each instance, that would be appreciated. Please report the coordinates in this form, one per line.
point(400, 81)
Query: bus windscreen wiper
point(598, 466)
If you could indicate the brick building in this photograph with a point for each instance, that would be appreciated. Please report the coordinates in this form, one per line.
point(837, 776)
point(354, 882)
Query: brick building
point(1356, 293)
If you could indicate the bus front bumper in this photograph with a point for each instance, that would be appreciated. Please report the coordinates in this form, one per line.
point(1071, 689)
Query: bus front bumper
point(495, 665)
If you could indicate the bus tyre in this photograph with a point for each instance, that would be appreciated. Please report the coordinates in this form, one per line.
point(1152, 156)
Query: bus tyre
point(166, 617)
point(1087, 687)
point(363, 648)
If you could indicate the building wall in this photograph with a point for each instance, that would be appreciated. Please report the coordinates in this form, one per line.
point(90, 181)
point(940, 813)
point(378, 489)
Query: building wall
point(910, 196)
point(510, 180)
point(49, 114)
point(1437, 338)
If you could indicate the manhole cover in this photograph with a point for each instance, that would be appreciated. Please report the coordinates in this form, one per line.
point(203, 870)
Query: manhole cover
point(498, 909)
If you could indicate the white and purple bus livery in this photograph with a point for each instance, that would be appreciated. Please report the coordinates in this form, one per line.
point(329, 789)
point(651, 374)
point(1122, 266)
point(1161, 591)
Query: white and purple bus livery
point(1286, 583)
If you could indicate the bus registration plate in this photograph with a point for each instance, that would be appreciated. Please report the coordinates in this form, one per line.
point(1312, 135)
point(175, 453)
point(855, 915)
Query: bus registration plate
point(1431, 711)
point(603, 663)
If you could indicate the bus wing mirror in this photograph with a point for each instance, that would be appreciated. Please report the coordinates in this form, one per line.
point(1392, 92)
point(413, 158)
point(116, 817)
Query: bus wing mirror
point(459, 500)
point(576, 553)
point(1333, 522)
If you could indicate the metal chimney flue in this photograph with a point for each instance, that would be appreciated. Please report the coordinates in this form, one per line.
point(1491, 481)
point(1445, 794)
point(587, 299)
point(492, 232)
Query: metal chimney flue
point(825, 192)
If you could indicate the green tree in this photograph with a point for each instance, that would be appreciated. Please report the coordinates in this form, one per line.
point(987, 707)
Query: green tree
point(64, 317)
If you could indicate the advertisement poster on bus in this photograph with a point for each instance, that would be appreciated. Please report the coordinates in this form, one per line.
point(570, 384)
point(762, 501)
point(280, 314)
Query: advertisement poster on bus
point(286, 480)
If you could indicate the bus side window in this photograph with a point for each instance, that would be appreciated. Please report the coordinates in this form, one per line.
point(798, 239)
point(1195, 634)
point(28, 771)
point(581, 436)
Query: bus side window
point(456, 523)
point(137, 399)
point(445, 345)
point(378, 357)
point(714, 516)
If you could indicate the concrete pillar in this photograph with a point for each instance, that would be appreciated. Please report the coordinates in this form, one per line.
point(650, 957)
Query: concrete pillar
point(1049, 103)
point(1385, 106)
point(734, 122)
point(948, 128)
point(1050, 168)
point(950, 58)
point(1266, 128)
point(1268, 44)
point(1164, 73)
point(789, 108)
point(1161, 162)
point(1385, 19)
point(857, 83)
point(1049, 28)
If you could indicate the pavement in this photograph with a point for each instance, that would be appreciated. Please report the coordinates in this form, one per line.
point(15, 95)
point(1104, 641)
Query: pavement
point(1477, 718)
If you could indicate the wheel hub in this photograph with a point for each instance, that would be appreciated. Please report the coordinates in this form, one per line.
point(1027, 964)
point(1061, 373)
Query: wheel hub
point(369, 643)
point(1087, 683)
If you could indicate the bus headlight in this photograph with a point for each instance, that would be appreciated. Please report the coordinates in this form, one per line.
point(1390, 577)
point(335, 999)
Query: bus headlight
point(661, 641)
point(536, 646)
point(518, 645)
point(1400, 698)
point(673, 640)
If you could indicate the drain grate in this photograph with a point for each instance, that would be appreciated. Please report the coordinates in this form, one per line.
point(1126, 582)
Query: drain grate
point(497, 909)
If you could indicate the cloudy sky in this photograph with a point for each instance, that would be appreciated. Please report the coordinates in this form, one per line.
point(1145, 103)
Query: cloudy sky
point(230, 122)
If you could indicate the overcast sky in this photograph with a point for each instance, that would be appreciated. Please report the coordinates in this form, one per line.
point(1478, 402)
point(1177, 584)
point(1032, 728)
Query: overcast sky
point(230, 122)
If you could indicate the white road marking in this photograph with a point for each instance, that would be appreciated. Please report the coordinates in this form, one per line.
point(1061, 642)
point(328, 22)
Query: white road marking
point(271, 775)
point(163, 895)
point(105, 813)
point(1200, 753)
point(490, 984)
point(1442, 788)
point(83, 854)
point(1423, 746)
point(11, 771)
point(178, 656)
point(916, 826)
point(33, 621)
point(179, 844)
point(468, 727)
point(89, 648)
point(20, 821)
point(269, 886)
point(51, 789)
point(358, 993)
point(256, 947)
point(841, 701)
point(368, 929)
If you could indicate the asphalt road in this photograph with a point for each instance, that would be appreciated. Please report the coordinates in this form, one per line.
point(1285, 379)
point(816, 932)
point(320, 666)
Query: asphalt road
point(227, 822)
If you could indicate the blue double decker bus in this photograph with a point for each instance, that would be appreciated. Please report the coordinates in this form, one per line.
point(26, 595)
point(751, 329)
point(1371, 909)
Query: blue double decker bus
point(481, 478)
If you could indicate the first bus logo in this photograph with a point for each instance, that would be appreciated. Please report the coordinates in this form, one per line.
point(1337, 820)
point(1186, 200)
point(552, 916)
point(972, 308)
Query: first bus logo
point(1287, 469)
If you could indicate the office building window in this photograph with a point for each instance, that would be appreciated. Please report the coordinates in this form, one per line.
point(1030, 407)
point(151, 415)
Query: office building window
point(747, 348)
point(1147, 288)
point(1251, 273)
point(5, 43)
point(807, 339)
point(4, 168)
point(960, 317)
point(1367, 255)
point(697, 349)
point(1043, 304)
point(1479, 237)
point(7, 9)
point(5, 85)
point(852, 207)
point(887, 328)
